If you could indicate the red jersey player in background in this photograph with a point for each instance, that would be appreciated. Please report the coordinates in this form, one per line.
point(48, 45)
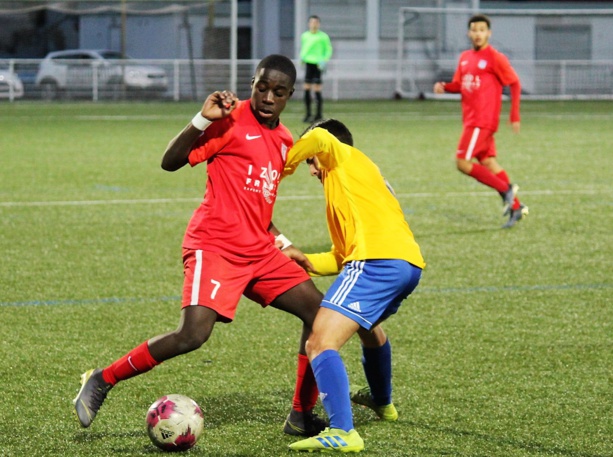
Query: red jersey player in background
point(481, 74)
point(229, 245)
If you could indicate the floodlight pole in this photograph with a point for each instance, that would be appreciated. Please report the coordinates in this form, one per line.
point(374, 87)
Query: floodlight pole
point(124, 14)
point(233, 45)
point(123, 28)
point(190, 53)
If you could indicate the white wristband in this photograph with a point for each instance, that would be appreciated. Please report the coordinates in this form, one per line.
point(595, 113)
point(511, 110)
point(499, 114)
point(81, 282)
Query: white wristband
point(286, 243)
point(200, 122)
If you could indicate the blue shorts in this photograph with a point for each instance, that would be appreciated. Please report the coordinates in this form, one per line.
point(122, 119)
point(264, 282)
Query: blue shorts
point(368, 291)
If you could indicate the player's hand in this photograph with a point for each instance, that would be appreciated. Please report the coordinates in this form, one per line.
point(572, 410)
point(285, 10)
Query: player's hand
point(515, 126)
point(322, 66)
point(298, 256)
point(439, 88)
point(219, 105)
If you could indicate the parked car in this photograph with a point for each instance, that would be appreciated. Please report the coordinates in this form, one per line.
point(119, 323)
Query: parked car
point(9, 81)
point(81, 71)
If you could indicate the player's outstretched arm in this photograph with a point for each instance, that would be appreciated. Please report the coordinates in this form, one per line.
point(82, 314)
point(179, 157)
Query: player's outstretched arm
point(217, 106)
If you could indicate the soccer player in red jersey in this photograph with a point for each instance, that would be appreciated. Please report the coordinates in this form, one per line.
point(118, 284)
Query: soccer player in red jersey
point(481, 74)
point(229, 246)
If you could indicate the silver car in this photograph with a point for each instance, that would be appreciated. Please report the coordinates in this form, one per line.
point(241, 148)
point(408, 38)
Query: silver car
point(10, 85)
point(97, 74)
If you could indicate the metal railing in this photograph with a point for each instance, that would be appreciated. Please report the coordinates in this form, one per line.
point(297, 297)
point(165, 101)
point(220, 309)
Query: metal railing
point(345, 79)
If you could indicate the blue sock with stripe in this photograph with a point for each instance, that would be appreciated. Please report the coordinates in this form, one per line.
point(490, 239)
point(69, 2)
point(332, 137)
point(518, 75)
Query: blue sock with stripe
point(377, 363)
point(333, 385)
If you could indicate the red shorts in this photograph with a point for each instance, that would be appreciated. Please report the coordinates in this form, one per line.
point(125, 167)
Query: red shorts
point(218, 282)
point(476, 143)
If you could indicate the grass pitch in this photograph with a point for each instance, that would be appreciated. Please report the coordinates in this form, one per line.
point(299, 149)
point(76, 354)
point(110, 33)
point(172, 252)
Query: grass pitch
point(505, 349)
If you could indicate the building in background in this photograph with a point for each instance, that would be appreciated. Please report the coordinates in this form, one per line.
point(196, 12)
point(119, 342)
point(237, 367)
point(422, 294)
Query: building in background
point(379, 49)
point(165, 29)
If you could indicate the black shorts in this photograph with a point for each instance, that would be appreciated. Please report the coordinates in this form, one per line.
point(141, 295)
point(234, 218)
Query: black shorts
point(313, 74)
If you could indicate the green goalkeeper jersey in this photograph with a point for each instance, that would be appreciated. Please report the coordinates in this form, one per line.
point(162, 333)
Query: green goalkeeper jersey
point(315, 47)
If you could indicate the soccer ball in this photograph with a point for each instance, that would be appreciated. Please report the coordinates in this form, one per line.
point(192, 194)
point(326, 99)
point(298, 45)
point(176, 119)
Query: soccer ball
point(174, 422)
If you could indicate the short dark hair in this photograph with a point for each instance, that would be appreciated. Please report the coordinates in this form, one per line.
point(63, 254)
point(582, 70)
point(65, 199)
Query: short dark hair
point(278, 62)
point(314, 16)
point(335, 127)
point(480, 18)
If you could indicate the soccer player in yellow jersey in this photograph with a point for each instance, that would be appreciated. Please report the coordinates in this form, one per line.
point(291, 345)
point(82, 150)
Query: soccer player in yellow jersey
point(378, 264)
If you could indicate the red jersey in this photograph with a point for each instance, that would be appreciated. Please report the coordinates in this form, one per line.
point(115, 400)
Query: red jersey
point(244, 164)
point(480, 77)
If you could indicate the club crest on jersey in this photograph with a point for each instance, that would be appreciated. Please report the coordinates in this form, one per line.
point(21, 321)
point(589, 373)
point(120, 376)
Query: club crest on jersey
point(482, 64)
point(263, 180)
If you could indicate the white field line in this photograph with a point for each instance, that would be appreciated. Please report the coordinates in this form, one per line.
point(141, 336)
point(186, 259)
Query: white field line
point(129, 117)
point(434, 117)
point(394, 113)
point(391, 113)
point(437, 195)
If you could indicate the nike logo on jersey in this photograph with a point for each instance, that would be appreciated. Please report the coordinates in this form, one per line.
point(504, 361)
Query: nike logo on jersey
point(252, 137)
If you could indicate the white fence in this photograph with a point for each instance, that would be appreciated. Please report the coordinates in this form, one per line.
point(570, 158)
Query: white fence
point(344, 80)
point(551, 79)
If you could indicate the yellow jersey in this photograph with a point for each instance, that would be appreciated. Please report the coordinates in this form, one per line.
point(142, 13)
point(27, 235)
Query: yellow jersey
point(364, 217)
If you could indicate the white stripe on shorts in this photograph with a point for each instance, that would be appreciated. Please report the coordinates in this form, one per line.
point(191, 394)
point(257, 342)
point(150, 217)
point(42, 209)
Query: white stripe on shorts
point(471, 145)
point(341, 293)
point(196, 280)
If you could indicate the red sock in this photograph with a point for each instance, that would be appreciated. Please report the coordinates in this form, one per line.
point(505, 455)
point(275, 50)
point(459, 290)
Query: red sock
point(485, 176)
point(503, 175)
point(135, 362)
point(305, 395)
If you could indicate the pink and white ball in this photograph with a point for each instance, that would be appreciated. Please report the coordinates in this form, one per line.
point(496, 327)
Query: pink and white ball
point(175, 422)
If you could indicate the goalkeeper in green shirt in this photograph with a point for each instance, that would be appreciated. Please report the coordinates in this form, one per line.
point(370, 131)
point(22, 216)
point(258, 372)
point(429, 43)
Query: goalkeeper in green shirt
point(315, 51)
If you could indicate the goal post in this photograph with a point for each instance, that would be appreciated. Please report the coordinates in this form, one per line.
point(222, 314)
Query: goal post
point(557, 53)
